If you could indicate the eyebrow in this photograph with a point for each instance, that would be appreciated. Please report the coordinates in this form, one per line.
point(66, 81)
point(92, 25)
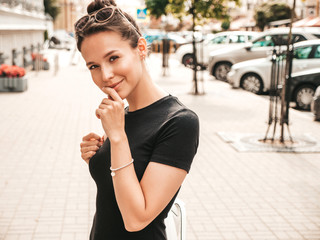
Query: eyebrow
point(105, 56)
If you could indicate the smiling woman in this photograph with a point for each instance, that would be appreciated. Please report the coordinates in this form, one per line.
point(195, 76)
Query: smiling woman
point(114, 63)
point(147, 148)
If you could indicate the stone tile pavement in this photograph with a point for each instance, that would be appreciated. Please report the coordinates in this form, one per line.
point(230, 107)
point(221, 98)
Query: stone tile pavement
point(46, 191)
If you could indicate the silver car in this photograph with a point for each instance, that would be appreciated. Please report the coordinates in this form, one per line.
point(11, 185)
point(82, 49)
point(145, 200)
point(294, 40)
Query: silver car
point(255, 75)
point(220, 61)
point(217, 41)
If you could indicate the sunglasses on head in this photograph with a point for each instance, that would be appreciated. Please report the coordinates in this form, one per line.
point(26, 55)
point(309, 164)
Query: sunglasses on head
point(103, 15)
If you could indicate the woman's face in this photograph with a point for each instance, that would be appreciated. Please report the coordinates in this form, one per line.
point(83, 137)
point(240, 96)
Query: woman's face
point(112, 62)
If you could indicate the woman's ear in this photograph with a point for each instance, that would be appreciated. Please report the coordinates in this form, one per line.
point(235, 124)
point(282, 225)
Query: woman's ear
point(142, 47)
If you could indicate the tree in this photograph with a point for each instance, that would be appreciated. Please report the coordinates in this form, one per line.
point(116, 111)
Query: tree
point(157, 7)
point(225, 24)
point(199, 10)
point(271, 11)
point(50, 7)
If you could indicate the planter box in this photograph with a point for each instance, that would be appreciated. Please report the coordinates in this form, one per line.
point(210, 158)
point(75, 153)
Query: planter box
point(42, 65)
point(13, 84)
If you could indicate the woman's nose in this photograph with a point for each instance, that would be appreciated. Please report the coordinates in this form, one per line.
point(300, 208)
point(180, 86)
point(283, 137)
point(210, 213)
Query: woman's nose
point(107, 74)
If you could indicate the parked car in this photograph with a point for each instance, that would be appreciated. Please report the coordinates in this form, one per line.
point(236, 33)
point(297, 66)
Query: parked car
point(157, 36)
point(220, 61)
point(315, 104)
point(255, 75)
point(303, 87)
point(217, 41)
point(61, 39)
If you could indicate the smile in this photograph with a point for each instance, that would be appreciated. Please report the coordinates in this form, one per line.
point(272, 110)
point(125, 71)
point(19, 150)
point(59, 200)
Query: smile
point(115, 85)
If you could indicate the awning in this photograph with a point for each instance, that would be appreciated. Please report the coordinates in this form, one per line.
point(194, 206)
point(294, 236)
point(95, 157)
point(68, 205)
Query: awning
point(313, 23)
point(308, 22)
point(279, 22)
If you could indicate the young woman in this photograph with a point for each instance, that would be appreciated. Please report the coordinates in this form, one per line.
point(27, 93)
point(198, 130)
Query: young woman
point(147, 148)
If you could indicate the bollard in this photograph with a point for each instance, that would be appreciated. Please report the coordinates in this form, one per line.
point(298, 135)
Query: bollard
point(165, 55)
point(56, 63)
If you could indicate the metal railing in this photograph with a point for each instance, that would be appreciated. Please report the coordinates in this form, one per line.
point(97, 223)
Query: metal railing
point(280, 77)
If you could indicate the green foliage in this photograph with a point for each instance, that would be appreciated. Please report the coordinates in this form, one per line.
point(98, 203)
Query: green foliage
point(201, 10)
point(157, 7)
point(45, 35)
point(176, 8)
point(271, 11)
point(50, 7)
point(225, 24)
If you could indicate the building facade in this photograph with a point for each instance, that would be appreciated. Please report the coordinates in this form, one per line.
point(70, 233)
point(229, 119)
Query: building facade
point(312, 8)
point(22, 26)
point(243, 15)
point(70, 12)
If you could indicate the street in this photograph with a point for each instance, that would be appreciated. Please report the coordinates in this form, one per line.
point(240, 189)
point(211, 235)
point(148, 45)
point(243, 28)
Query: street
point(46, 191)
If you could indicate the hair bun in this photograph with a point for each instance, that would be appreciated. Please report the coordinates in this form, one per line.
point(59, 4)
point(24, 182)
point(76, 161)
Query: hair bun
point(98, 4)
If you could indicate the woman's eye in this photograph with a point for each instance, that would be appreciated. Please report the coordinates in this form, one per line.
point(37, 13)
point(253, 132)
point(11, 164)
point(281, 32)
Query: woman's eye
point(113, 58)
point(92, 67)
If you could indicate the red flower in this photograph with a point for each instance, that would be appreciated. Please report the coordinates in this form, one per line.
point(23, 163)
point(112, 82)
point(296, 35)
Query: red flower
point(36, 56)
point(11, 71)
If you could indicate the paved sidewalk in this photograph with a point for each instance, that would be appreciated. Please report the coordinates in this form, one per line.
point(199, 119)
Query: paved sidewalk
point(46, 191)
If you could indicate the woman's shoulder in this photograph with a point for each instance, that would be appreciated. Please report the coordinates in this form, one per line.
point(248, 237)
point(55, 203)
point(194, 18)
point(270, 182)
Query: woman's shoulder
point(181, 111)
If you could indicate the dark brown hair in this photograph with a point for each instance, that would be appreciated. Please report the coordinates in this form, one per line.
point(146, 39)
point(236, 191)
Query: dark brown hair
point(117, 23)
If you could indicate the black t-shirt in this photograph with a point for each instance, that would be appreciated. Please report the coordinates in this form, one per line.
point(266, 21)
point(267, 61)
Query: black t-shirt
point(164, 132)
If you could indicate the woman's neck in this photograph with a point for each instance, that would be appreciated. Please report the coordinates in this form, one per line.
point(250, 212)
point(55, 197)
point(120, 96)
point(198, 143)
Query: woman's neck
point(145, 94)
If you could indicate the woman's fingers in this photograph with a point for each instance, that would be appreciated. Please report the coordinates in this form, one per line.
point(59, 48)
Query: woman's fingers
point(108, 105)
point(89, 149)
point(90, 143)
point(91, 136)
point(112, 93)
point(87, 156)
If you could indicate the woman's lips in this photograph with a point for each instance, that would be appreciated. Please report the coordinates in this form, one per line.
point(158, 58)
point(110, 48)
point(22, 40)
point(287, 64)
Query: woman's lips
point(115, 85)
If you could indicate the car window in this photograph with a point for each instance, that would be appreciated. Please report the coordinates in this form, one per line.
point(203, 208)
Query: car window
point(317, 35)
point(264, 41)
point(302, 52)
point(298, 38)
point(219, 40)
point(237, 39)
point(250, 37)
point(317, 52)
point(295, 37)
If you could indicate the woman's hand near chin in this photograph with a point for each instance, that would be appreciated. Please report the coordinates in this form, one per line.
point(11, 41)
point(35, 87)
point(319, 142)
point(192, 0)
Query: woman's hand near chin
point(111, 114)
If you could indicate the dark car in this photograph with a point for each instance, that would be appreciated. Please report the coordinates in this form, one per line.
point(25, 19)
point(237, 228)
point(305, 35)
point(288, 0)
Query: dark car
point(315, 105)
point(303, 87)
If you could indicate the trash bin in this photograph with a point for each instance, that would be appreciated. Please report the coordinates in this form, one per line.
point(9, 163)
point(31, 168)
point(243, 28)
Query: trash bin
point(315, 105)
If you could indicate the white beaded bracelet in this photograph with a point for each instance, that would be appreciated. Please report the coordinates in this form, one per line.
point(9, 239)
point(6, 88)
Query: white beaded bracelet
point(113, 170)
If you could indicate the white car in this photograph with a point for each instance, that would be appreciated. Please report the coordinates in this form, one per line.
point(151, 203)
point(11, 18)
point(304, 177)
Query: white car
point(221, 60)
point(217, 41)
point(255, 75)
point(61, 39)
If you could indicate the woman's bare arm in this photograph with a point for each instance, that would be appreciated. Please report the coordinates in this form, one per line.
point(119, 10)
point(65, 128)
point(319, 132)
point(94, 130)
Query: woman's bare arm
point(140, 203)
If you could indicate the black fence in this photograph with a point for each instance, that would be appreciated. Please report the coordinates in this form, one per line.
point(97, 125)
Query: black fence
point(27, 57)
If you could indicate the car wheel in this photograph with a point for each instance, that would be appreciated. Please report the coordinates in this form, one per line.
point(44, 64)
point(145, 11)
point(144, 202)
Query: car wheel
point(252, 82)
point(187, 60)
point(221, 70)
point(303, 96)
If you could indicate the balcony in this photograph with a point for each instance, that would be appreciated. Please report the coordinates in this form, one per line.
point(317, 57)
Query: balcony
point(27, 6)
